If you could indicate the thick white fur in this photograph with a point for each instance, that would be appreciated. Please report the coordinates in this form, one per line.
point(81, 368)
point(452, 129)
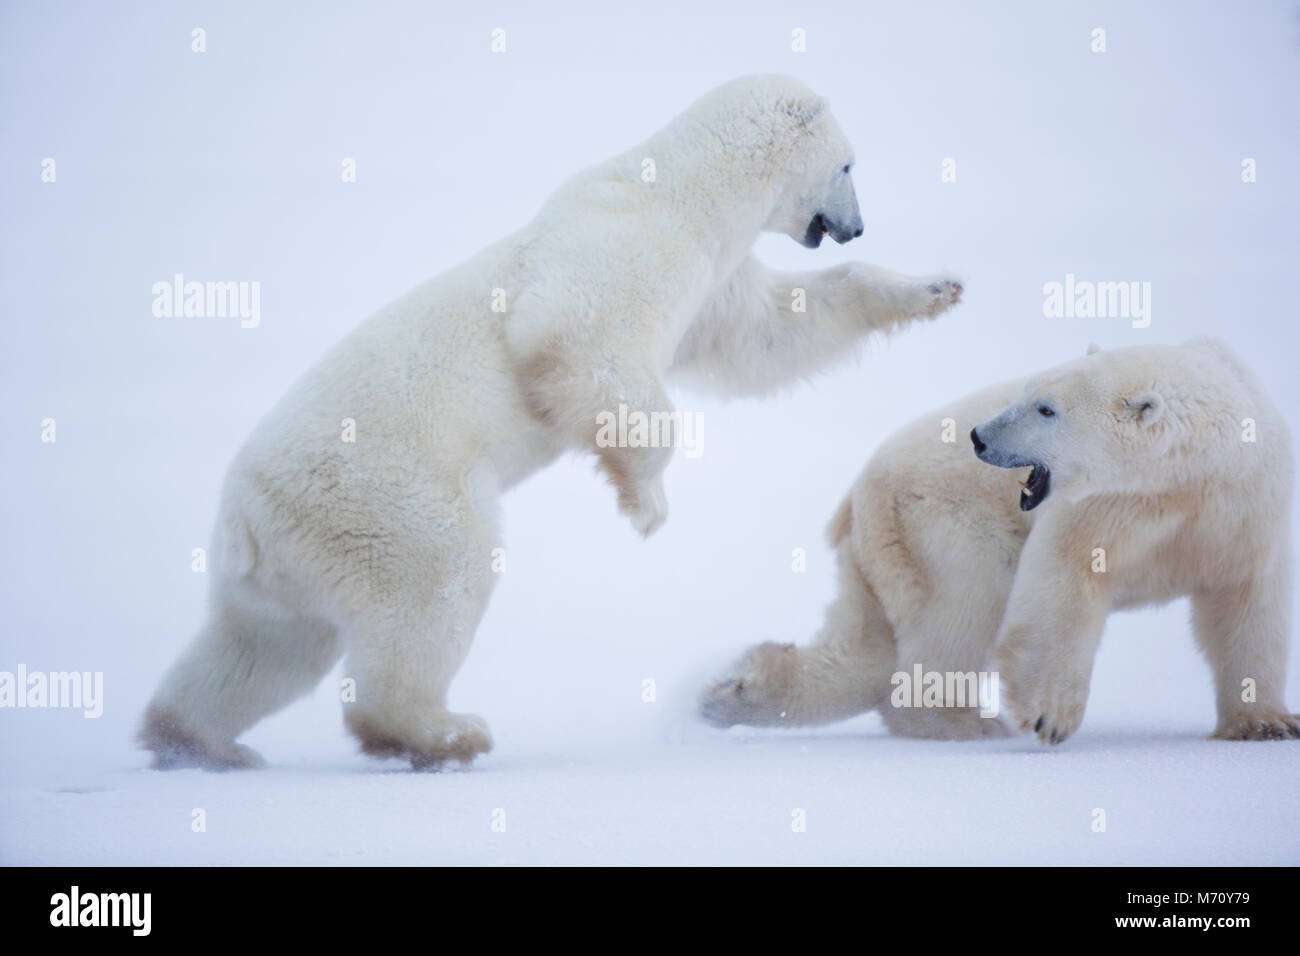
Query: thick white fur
point(940, 567)
point(381, 549)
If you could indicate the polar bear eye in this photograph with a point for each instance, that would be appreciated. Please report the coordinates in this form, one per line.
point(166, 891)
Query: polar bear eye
point(845, 170)
point(1045, 411)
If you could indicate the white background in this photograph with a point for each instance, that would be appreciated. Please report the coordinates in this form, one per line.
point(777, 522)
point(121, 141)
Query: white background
point(225, 165)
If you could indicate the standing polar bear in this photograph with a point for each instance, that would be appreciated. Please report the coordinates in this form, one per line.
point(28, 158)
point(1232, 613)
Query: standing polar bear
point(380, 547)
point(1162, 472)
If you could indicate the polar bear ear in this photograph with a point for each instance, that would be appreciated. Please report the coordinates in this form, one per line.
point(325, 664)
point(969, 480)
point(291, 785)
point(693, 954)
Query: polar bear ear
point(1145, 409)
point(807, 111)
point(1093, 348)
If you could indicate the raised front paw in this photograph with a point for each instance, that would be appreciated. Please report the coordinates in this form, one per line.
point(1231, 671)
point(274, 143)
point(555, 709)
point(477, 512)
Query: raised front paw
point(1267, 726)
point(646, 507)
point(942, 293)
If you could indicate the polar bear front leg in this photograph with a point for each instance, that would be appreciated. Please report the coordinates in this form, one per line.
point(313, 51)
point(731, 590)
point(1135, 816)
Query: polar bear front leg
point(888, 299)
point(637, 476)
point(1045, 668)
point(603, 394)
point(1244, 631)
point(766, 329)
point(635, 432)
point(1049, 637)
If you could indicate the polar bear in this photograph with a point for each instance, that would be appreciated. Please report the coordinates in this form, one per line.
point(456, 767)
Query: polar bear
point(360, 517)
point(1154, 472)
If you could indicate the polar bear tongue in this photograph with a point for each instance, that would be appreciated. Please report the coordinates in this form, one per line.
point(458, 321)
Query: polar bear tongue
point(1033, 491)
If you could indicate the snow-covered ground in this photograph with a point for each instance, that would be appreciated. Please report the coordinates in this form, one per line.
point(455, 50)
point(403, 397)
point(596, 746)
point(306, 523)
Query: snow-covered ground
point(225, 165)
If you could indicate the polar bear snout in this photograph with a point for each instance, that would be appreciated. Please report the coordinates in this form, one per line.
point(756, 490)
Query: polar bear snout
point(838, 215)
point(825, 224)
point(993, 443)
point(990, 450)
point(844, 222)
point(844, 233)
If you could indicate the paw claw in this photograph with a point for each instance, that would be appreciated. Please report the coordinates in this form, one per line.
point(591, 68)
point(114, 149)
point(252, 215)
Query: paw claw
point(1281, 726)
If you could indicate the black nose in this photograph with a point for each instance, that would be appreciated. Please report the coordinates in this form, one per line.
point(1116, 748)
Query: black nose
point(858, 232)
point(975, 440)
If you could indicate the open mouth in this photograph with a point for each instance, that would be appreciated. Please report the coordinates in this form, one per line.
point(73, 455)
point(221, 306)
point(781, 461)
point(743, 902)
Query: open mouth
point(816, 229)
point(1035, 488)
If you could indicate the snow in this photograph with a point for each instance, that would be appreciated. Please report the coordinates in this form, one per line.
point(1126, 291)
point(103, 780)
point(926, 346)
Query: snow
point(665, 798)
point(225, 166)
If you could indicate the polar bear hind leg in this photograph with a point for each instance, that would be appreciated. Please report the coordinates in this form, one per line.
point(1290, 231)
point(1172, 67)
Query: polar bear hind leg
point(252, 657)
point(844, 671)
point(407, 639)
point(952, 637)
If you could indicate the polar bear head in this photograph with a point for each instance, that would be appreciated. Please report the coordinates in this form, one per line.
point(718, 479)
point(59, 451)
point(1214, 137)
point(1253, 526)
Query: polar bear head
point(816, 197)
point(1097, 425)
point(774, 132)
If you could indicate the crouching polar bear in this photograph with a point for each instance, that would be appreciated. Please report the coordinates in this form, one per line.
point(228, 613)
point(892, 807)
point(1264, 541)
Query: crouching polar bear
point(1161, 472)
point(380, 547)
